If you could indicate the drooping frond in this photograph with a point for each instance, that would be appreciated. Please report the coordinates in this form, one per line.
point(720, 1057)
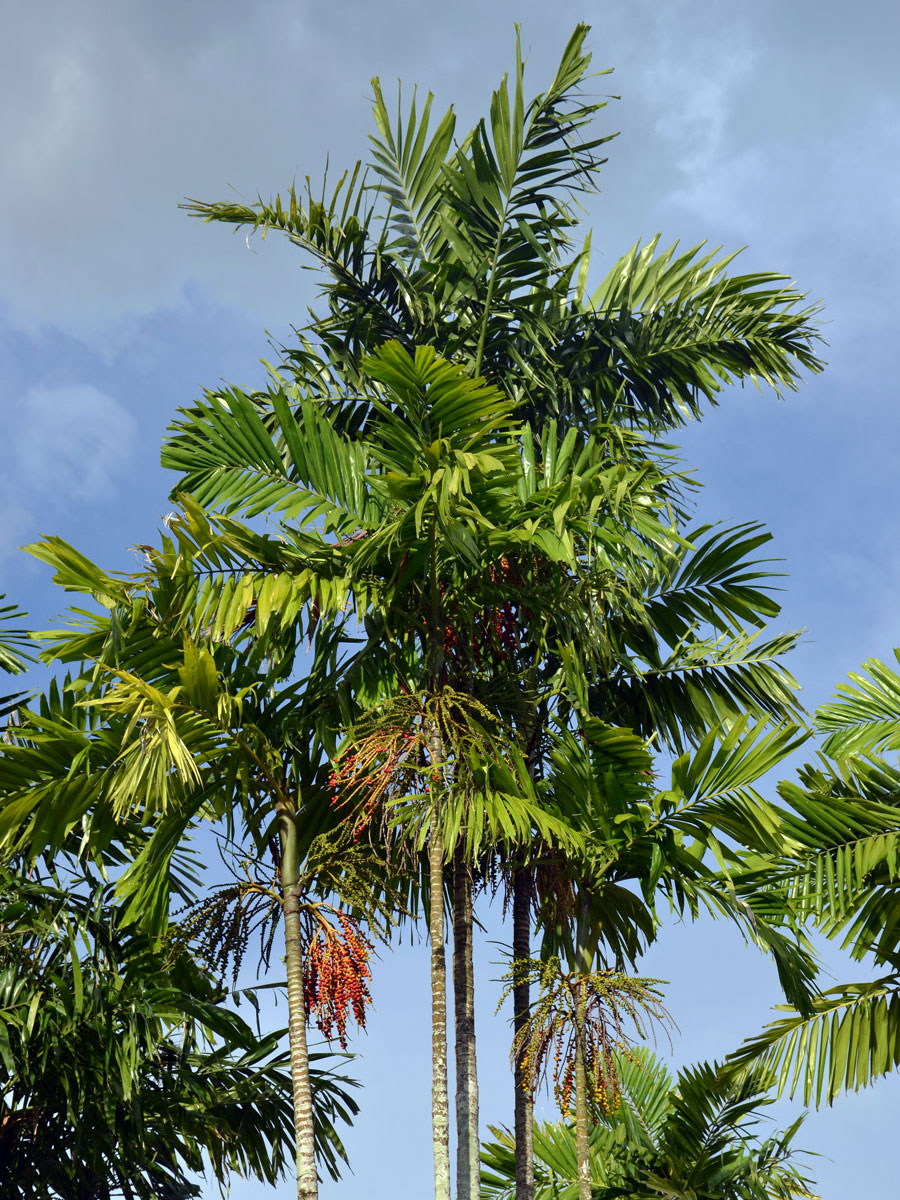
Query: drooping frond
point(851, 1037)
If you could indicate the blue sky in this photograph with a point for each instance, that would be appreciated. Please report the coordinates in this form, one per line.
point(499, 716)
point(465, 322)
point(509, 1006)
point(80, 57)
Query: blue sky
point(771, 125)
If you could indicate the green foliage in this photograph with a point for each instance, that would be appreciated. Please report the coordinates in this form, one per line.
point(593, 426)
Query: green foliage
point(13, 653)
point(13, 640)
point(120, 1066)
point(693, 845)
point(865, 716)
point(851, 1037)
point(693, 1136)
point(843, 875)
point(473, 527)
point(468, 248)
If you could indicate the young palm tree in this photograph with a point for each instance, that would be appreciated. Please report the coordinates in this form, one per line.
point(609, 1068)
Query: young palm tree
point(578, 1024)
point(690, 1136)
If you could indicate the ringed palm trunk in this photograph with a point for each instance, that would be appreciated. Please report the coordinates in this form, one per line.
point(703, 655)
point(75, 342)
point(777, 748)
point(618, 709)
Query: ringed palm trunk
point(584, 957)
point(440, 1098)
point(304, 1134)
point(524, 1100)
point(440, 1102)
point(582, 1120)
point(467, 1140)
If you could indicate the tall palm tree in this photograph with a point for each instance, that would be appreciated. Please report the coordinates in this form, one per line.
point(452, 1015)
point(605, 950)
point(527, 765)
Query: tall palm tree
point(624, 582)
point(171, 732)
point(644, 845)
point(428, 491)
point(469, 248)
point(655, 639)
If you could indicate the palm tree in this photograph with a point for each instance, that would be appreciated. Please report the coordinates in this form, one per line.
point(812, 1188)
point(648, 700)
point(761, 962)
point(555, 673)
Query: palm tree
point(120, 1065)
point(644, 845)
point(578, 1023)
point(658, 642)
point(468, 248)
point(194, 732)
point(690, 1136)
point(428, 487)
point(664, 581)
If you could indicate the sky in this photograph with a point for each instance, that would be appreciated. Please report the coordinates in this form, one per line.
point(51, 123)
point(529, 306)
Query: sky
point(773, 125)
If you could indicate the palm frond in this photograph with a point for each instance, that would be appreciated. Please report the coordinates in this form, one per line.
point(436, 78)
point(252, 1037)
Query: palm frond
point(410, 165)
point(865, 716)
point(851, 1037)
point(666, 332)
point(272, 452)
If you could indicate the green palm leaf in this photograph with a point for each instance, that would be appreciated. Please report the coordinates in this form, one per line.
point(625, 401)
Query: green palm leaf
point(677, 330)
point(865, 717)
point(270, 452)
point(851, 1037)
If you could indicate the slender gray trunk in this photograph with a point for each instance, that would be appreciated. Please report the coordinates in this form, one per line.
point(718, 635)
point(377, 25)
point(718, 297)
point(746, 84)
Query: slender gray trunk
point(584, 958)
point(440, 1101)
point(307, 1180)
point(467, 1139)
point(524, 1101)
point(582, 1120)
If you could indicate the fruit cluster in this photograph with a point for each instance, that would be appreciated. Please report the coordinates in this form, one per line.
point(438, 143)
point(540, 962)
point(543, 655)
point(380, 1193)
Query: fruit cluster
point(563, 1085)
point(495, 628)
point(360, 778)
point(336, 978)
point(495, 634)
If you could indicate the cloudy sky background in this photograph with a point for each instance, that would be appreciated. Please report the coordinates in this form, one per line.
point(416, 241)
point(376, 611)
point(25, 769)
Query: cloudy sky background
point(775, 125)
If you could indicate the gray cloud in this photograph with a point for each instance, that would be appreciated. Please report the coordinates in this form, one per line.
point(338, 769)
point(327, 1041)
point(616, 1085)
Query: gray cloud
point(768, 123)
point(66, 448)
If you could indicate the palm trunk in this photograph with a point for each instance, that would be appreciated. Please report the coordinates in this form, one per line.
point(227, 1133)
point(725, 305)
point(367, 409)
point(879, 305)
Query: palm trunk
point(307, 1179)
point(467, 1139)
point(524, 1101)
point(440, 1101)
point(582, 1121)
point(584, 957)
